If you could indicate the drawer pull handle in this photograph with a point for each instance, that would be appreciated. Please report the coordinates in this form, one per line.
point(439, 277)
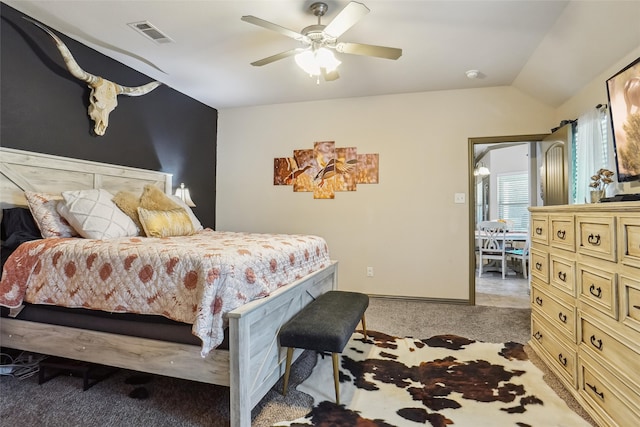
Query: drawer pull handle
point(636, 307)
point(596, 292)
point(562, 317)
point(562, 276)
point(537, 335)
point(595, 390)
point(594, 240)
point(538, 230)
point(562, 359)
point(539, 301)
point(597, 343)
point(538, 266)
point(561, 234)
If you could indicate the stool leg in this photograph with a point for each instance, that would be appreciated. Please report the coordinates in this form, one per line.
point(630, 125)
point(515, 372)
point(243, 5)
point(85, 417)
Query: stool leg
point(287, 370)
point(364, 326)
point(336, 376)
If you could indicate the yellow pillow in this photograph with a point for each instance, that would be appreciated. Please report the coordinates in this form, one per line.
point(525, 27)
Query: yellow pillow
point(154, 199)
point(128, 203)
point(159, 223)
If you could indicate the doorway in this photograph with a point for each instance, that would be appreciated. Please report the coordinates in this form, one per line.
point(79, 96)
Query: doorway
point(491, 289)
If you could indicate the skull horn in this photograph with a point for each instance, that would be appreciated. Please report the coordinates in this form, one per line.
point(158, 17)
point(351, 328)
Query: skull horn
point(138, 90)
point(70, 62)
point(91, 80)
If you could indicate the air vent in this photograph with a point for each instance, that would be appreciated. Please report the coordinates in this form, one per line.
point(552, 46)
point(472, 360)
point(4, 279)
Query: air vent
point(147, 29)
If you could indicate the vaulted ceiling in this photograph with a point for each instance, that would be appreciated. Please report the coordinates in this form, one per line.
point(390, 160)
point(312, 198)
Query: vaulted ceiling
point(547, 49)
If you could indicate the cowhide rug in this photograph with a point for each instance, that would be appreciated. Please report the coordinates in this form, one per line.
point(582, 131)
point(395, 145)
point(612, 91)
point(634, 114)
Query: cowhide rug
point(440, 381)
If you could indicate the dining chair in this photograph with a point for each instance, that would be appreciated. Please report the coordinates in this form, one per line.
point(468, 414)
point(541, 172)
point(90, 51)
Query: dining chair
point(522, 255)
point(492, 235)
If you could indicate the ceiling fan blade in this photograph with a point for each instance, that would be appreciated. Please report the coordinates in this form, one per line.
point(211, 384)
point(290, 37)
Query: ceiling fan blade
point(274, 27)
point(330, 76)
point(277, 56)
point(346, 19)
point(369, 50)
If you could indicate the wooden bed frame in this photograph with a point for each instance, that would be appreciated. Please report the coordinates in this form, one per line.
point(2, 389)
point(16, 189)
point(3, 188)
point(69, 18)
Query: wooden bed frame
point(254, 361)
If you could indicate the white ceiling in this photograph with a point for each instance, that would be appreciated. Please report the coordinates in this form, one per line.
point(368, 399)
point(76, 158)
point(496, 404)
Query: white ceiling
point(548, 49)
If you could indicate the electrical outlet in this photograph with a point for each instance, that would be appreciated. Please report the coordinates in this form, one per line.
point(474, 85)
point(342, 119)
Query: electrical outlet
point(459, 198)
point(369, 271)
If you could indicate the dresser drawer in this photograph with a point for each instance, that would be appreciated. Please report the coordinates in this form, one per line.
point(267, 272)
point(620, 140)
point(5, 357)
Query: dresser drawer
point(611, 398)
point(561, 356)
point(630, 303)
point(629, 237)
point(596, 237)
point(563, 274)
point(562, 232)
point(598, 289)
point(539, 262)
point(558, 313)
point(597, 340)
point(540, 229)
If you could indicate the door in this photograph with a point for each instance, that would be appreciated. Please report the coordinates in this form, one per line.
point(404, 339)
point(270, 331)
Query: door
point(480, 188)
point(555, 167)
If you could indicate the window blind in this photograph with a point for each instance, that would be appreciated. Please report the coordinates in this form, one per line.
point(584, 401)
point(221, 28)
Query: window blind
point(513, 199)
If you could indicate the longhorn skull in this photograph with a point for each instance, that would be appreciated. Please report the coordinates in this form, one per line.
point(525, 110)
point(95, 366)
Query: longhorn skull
point(104, 93)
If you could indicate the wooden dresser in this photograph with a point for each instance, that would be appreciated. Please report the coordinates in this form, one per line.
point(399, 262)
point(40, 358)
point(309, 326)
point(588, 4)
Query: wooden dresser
point(585, 299)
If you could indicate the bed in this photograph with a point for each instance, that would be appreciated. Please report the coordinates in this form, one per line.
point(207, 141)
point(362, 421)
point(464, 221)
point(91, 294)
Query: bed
point(253, 361)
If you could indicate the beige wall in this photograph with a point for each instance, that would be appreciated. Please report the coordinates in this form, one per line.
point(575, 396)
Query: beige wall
point(407, 227)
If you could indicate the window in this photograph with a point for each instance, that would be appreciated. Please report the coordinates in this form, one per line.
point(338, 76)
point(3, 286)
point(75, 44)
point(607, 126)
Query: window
point(513, 199)
point(590, 143)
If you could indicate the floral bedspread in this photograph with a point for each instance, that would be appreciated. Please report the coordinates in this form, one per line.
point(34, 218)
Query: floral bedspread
point(193, 279)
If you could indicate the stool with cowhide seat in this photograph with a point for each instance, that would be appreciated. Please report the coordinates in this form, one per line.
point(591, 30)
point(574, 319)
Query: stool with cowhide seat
point(325, 325)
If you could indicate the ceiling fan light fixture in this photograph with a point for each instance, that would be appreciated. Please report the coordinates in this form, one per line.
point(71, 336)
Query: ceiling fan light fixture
point(319, 41)
point(327, 60)
point(313, 61)
point(307, 61)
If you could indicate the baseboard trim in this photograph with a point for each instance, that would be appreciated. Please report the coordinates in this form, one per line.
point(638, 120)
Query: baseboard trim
point(424, 299)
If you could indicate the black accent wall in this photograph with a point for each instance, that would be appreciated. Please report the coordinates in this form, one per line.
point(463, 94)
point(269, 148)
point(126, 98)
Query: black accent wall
point(43, 108)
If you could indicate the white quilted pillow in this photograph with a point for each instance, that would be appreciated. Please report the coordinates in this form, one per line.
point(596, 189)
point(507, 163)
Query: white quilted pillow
point(94, 215)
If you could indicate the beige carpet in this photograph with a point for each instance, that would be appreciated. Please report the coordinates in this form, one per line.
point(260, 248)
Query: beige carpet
point(173, 402)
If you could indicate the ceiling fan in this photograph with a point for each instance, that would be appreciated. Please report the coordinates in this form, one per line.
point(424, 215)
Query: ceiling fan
point(315, 55)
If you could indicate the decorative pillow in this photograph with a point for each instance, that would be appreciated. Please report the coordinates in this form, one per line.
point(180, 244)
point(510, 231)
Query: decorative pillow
point(129, 203)
point(154, 199)
point(197, 226)
point(94, 215)
point(48, 220)
point(160, 223)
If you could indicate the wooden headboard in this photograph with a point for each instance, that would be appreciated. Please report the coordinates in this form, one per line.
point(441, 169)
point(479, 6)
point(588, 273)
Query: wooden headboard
point(24, 170)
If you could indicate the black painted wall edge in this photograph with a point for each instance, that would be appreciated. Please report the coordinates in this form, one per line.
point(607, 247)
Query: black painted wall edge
point(44, 109)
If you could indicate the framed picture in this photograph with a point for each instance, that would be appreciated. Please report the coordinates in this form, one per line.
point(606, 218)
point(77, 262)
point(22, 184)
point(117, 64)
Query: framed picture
point(623, 91)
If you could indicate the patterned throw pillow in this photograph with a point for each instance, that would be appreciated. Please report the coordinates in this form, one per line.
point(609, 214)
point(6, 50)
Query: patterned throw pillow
point(94, 215)
point(157, 223)
point(48, 220)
